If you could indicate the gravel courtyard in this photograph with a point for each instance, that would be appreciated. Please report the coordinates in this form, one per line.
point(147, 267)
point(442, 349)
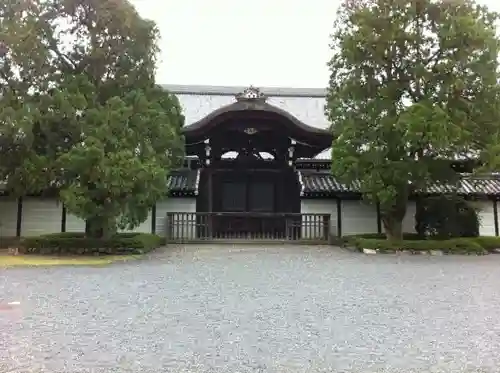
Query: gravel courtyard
point(255, 309)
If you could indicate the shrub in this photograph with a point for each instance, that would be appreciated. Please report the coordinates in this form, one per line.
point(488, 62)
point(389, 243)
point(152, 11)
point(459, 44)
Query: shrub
point(489, 243)
point(377, 236)
point(452, 246)
point(6, 242)
point(446, 217)
point(71, 243)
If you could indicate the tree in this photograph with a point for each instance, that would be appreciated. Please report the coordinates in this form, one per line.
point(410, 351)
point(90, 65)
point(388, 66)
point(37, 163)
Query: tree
point(414, 84)
point(80, 110)
point(445, 217)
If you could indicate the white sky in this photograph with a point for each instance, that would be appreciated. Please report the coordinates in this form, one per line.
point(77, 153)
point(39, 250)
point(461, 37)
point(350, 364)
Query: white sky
point(268, 43)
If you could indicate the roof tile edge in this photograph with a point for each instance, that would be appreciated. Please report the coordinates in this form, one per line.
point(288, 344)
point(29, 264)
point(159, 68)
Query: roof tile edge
point(212, 90)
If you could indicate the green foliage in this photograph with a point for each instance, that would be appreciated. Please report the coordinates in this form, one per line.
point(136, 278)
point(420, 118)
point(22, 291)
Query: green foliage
point(80, 111)
point(415, 243)
point(446, 217)
point(413, 84)
point(79, 244)
point(6, 242)
point(453, 246)
point(406, 236)
point(489, 243)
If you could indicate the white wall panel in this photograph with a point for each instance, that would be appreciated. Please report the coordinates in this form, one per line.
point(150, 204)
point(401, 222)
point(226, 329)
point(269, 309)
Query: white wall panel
point(319, 206)
point(486, 218)
point(174, 204)
point(358, 217)
point(41, 216)
point(8, 217)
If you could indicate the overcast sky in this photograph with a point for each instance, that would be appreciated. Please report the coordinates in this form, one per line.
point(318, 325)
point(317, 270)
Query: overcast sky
point(280, 43)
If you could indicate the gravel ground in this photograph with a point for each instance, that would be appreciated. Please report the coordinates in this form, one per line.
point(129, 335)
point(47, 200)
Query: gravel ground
point(254, 309)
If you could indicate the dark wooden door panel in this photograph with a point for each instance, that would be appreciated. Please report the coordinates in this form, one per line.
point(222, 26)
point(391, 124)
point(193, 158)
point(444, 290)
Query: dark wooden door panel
point(261, 196)
point(234, 196)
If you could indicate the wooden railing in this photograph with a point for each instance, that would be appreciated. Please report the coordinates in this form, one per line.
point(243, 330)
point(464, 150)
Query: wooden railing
point(208, 226)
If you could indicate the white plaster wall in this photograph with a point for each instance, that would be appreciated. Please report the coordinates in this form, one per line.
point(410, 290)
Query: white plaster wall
point(40, 216)
point(358, 217)
point(175, 205)
point(8, 216)
point(74, 223)
point(318, 206)
point(486, 218)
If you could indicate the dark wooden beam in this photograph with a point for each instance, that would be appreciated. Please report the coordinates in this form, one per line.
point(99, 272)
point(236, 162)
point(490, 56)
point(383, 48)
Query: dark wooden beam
point(495, 215)
point(153, 219)
point(339, 217)
point(63, 219)
point(210, 191)
point(19, 220)
point(379, 219)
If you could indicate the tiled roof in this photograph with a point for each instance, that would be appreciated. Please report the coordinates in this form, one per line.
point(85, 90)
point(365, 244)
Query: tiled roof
point(308, 109)
point(183, 182)
point(324, 184)
point(234, 90)
point(469, 186)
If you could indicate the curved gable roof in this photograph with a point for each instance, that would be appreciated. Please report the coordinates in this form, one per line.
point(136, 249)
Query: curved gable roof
point(305, 104)
point(251, 104)
point(249, 107)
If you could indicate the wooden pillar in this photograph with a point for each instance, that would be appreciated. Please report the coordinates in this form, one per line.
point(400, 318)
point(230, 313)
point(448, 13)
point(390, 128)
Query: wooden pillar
point(19, 220)
point(379, 219)
point(63, 219)
point(495, 215)
point(210, 190)
point(339, 217)
point(153, 219)
point(210, 202)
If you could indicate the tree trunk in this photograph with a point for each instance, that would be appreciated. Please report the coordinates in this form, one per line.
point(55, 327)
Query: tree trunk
point(393, 228)
point(99, 227)
point(393, 215)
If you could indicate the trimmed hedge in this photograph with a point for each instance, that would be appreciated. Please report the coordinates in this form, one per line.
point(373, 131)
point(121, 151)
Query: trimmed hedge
point(453, 246)
point(413, 242)
point(489, 243)
point(71, 243)
point(446, 217)
point(381, 236)
point(6, 242)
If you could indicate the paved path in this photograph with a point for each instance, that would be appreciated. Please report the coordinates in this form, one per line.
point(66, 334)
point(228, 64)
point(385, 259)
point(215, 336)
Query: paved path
point(251, 309)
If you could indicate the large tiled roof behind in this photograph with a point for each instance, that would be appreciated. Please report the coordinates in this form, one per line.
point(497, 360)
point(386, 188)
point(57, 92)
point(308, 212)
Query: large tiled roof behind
point(324, 184)
point(307, 105)
point(183, 182)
